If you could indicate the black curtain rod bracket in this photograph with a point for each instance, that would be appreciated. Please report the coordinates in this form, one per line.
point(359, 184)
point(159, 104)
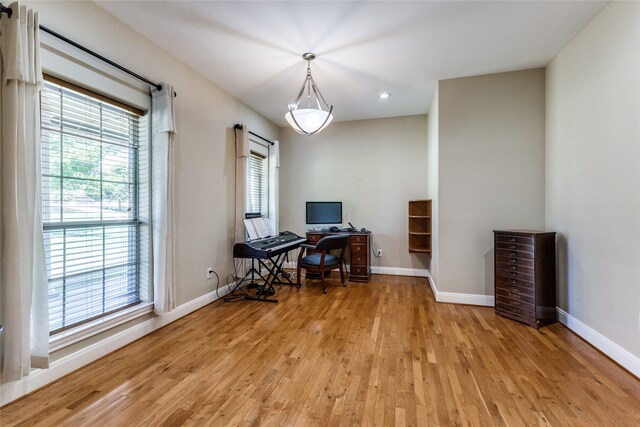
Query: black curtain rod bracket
point(6, 10)
point(9, 12)
point(239, 127)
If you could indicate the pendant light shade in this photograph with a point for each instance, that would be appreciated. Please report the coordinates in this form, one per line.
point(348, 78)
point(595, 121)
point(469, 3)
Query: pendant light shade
point(310, 113)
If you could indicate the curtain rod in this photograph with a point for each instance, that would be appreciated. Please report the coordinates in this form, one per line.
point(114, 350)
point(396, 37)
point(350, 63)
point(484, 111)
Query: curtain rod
point(9, 12)
point(239, 126)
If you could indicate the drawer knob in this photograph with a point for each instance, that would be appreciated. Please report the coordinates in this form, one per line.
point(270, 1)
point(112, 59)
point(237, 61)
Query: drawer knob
point(513, 274)
point(513, 267)
point(513, 254)
point(513, 260)
point(512, 246)
point(513, 239)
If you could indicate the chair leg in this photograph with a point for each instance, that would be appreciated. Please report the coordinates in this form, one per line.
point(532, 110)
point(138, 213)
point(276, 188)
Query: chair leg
point(298, 284)
point(324, 286)
point(344, 282)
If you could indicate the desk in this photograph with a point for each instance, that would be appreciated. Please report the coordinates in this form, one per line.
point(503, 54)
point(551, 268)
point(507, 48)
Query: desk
point(359, 251)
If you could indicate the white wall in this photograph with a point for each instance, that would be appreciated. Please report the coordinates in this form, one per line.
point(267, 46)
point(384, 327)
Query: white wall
point(373, 166)
point(593, 174)
point(490, 171)
point(204, 146)
point(432, 182)
point(205, 169)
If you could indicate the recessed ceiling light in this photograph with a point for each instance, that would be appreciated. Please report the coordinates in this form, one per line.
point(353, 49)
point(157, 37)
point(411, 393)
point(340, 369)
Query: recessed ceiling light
point(384, 95)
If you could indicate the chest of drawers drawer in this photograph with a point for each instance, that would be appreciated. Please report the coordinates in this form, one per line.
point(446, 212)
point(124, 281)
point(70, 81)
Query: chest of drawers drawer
point(514, 285)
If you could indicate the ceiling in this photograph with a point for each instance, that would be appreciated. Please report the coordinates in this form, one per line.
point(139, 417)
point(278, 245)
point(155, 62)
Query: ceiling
point(253, 49)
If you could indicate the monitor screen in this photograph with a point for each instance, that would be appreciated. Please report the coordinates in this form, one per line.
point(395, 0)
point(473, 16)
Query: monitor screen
point(324, 212)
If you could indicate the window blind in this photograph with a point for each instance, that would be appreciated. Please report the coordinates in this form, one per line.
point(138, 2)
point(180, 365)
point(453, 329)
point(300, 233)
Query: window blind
point(257, 184)
point(89, 204)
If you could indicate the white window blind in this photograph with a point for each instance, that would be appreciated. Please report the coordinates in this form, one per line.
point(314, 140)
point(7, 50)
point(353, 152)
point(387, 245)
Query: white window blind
point(90, 205)
point(258, 184)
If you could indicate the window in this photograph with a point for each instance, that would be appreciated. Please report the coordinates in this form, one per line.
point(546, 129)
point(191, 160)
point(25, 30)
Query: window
point(258, 182)
point(90, 204)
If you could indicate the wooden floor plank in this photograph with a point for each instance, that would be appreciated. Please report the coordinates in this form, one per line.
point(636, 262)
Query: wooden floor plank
point(382, 353)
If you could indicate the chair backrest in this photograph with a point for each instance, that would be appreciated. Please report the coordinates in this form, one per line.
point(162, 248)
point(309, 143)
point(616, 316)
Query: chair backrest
point(337, 241)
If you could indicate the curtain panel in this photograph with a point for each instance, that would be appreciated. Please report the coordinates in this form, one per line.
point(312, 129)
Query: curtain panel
point(162, 187)
point(274, 184)
point(23, 275)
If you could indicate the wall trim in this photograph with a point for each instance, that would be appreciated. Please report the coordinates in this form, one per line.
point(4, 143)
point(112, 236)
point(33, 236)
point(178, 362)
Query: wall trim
point(65, 365)
point(400, 271)
point(618, 354)
point(393, 271)
point(458, 298)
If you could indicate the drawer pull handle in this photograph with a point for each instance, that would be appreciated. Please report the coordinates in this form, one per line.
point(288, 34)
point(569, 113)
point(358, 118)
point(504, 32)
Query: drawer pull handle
point(513, 260)
point(513, 274)
point(514, 289)
point(513, 267)
point(513, 239)
point(513, 282)
point(512, 254)
point(512, 246)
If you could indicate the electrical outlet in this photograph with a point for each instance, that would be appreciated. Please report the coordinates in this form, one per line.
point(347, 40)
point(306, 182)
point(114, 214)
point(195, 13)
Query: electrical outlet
point(209, 272)
point(379, 252)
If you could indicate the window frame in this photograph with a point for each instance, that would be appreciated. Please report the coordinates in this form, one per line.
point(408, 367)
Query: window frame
point(258, 149)
point(66, 334)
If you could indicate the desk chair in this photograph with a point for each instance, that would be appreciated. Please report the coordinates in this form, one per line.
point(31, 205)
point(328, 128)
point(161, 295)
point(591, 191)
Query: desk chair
point(322, 260)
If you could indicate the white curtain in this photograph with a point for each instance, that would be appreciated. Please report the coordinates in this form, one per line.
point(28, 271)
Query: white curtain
point(242, 157)
point(23, 275)
point(162, 211)
point(274, 176)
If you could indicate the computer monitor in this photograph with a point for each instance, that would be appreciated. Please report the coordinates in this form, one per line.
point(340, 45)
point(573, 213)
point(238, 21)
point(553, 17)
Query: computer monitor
point(324, 213)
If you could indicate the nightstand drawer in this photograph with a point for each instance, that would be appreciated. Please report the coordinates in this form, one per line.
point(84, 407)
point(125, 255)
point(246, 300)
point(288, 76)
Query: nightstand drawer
point(314, 238)
point(359, 271)
point(359, 259)
point(358, 249)
point(358, 239)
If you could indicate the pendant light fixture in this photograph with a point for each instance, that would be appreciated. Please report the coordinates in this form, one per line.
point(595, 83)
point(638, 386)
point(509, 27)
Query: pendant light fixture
point(310, 113)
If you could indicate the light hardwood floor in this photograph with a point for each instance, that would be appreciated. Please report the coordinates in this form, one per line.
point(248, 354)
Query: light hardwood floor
point(383, 353)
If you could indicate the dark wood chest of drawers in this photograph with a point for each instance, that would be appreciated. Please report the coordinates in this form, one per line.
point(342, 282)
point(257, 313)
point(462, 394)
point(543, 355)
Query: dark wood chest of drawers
point(359, 249)
point(525, 276)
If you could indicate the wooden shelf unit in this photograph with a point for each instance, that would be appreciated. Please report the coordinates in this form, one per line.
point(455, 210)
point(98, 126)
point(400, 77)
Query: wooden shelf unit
point(420, 226)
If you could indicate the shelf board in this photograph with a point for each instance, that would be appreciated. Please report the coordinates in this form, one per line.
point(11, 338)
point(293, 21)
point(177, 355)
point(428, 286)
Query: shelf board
point(420, 216)
point(420, 233)
point(424, 250)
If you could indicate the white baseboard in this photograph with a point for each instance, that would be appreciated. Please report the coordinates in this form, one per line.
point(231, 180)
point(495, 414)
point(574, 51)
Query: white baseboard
point(399, 271)
point(41, 377)
point(458, 298)
point(393, 271)
point(620, 355)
